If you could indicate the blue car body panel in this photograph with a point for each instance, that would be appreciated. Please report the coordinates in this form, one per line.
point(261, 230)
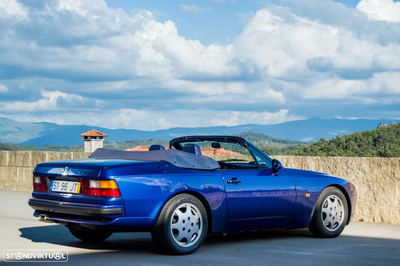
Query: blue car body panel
point(235, 200)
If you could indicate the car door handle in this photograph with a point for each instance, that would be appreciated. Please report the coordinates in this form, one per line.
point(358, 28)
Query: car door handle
point(233, 181)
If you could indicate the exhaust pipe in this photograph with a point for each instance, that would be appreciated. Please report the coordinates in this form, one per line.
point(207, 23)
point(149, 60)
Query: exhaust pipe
point(45, 218)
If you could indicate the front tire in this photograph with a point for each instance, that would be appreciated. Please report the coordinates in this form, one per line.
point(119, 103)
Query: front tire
point(90, 236)
point(182, 225)
point(330, 214)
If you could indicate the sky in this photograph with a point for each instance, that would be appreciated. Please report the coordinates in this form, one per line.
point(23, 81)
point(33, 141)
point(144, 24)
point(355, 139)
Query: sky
point(149, 65)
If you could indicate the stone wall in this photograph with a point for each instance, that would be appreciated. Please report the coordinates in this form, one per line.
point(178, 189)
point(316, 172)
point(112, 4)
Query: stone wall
point(16, 167)
point(377, 179)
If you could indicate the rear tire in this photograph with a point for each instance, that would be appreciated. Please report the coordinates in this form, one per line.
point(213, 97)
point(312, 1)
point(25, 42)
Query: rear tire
point(330, 214)
point(182, 225)
point(90, 236)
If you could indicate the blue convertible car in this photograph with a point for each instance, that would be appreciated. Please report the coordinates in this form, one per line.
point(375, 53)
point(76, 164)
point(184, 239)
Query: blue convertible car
point(179, 195)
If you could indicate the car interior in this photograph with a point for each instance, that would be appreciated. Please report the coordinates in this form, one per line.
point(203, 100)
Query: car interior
point(230, 155)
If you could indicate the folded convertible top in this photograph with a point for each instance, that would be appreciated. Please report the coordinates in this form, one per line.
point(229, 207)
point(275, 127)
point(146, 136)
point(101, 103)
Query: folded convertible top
point(176, 157)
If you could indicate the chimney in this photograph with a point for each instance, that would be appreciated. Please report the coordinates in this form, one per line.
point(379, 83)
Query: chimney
point(93, 140)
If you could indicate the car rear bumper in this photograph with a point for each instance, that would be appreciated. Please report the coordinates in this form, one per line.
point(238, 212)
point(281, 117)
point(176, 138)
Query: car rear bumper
point(89, 215)
point(74, 208)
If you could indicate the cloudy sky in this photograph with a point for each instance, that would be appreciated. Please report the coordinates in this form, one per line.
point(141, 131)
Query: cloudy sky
point(150, 64)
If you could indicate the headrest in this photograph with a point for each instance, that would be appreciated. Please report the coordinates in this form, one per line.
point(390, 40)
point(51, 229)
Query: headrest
point(192, 148)
point(156, 147)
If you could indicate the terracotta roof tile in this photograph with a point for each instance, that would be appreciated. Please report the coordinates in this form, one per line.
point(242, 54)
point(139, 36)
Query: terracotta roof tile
point(220, 151)
point(93, 133)
point(139, 148)
point(142, 148)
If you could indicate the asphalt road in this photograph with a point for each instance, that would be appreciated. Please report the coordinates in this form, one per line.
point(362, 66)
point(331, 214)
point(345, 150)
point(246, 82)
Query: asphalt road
point(360, 244)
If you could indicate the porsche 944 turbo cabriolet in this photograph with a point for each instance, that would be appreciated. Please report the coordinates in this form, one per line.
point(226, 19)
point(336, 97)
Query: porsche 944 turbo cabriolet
point(179, 195)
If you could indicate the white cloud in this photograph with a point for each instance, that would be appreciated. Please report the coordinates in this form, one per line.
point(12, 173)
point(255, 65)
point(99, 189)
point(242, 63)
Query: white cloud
point(142, 72)
point(3, 88)
point(244, 17)
point(310, 59)
point(280, 45)
point(107, 44)
point(12, 7)
point(380, 88)
point(82, 7)
point(386, 10)
point(269, 96)
point(189, 58)
point(154, 119)
point(334, 88)
point(194, 9)
point(52, 101)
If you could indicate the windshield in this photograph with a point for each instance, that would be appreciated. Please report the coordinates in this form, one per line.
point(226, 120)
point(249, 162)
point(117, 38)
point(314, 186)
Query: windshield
point(231, 155)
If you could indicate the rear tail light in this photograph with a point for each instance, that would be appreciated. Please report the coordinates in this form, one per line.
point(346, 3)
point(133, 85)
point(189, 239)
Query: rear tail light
point(40, 183)
point(102, 188)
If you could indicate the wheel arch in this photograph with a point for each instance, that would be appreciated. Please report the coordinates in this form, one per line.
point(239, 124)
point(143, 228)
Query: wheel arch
point(349, 203)
point(198, 196)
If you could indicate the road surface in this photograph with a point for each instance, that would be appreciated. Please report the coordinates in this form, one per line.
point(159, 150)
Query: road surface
point(360, 244)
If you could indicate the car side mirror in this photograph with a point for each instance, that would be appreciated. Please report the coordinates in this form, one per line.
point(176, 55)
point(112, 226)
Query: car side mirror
point(276, 166)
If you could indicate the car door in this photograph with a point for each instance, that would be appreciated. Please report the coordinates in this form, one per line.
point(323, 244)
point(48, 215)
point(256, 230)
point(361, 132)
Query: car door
point(258, 193)
point(255, 192)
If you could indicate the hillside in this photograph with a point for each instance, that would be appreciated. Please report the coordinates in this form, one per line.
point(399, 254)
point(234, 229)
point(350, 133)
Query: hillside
point(17, 132)
point(383, 141)
point(256, 138)
point(56, 148)
point(42, 134)
point(380, 142)
point(123, 145)
point(262, 140)
point(79, 148)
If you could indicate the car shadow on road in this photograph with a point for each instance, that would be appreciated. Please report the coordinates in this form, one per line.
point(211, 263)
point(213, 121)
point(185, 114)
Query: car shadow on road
point(60, 235)
point(278, 247)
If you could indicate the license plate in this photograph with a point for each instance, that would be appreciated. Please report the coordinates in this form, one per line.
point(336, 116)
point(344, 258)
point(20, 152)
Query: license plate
point(65, 186)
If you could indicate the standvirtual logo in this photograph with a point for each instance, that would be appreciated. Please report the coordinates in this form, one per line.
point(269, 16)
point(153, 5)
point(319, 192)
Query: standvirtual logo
point(35, 255)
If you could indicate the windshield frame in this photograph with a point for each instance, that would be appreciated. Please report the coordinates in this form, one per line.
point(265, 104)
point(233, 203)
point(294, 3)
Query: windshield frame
point(177, 144)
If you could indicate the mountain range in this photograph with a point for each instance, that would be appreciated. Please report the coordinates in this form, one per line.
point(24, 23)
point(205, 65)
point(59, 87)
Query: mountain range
point(43, 133)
